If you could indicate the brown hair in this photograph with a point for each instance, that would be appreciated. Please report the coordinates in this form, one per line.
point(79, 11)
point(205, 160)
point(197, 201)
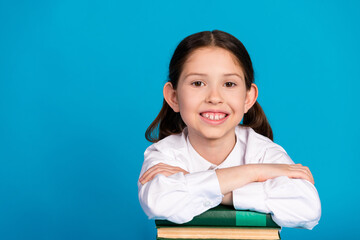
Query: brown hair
point(169, 122)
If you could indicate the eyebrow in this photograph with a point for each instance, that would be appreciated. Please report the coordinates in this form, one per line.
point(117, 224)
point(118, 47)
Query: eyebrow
point(203, 74)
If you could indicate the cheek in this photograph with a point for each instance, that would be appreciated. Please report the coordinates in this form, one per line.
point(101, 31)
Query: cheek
point(184, 105)
point(188, 99)
point(187, 105)
point(237, 99)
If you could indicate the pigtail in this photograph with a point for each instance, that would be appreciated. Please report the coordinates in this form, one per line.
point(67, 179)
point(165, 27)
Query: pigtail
point(166, 123)
point(256, 119)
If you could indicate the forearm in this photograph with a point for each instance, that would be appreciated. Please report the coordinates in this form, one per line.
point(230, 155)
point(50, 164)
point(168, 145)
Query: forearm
point(292, 202)
point(301, 208)
point(234, 177)
point(180, 197)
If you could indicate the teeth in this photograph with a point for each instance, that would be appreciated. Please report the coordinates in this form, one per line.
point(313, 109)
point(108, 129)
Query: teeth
point(214, 116)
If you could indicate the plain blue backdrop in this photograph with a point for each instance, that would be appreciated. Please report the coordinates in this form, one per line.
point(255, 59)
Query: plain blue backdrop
point(80, 81)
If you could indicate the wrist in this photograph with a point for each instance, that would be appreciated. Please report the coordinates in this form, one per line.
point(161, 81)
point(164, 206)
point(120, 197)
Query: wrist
point(253, 172)
point(228, 199)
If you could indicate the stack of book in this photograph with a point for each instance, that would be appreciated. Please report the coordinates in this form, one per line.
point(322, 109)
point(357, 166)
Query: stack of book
point(221, 222)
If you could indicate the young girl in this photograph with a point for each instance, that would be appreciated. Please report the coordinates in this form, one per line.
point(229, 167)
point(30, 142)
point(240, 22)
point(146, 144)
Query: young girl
point(202, 156)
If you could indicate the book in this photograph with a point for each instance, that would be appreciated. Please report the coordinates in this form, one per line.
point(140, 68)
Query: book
point(217, 233)
point(226, 216)
point(221, 222)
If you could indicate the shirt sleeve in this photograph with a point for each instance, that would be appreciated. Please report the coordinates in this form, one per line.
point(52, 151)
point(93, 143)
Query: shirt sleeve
point(177, 198)
point(292, 202)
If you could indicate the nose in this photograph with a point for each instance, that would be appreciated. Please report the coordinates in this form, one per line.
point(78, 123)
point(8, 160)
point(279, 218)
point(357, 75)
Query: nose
point(214, 96)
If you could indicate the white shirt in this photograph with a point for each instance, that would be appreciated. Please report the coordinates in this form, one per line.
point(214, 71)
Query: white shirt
point(178, 198)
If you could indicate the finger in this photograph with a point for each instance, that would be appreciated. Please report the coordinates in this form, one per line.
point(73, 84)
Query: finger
point(146, 175)
point(166, 169)
point(153, 168)
point(150, 173)
point(295, 165)
point(303, 174)
point(155, 173)
point(310, 177)
point(161, 166)
point(178, 169)
point(310, 174)
point(175, 169)
point(299, 175)
point(148, 178)
point(299, 167)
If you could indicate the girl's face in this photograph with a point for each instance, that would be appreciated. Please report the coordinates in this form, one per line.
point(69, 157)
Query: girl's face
point(211, 94)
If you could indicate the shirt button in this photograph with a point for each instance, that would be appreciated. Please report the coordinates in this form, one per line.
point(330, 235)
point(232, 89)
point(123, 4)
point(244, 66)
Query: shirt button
point(207, 204)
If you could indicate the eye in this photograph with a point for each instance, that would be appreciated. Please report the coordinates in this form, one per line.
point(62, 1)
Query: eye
point(229, 84)
point(197, 83)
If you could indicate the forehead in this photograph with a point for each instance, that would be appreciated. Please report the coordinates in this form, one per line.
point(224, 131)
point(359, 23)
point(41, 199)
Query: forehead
point(210, 57)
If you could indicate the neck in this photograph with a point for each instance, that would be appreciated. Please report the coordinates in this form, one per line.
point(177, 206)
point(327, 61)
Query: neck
point(213, 150)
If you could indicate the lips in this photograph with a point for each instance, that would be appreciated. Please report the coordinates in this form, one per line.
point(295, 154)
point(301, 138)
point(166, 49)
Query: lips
point(214, 118)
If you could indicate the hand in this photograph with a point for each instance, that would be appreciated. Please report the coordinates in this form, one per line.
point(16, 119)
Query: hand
point(160, 168)
point(264, 172)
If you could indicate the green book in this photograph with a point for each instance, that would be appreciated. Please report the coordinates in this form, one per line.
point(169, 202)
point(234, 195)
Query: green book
point(225, 216)
point(159, 238)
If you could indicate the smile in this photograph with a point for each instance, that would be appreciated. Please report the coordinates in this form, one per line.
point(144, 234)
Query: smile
point(213, 116)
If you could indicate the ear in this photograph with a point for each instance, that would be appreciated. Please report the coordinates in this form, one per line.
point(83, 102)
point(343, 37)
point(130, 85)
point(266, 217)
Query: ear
point(171, 97)
point(251, 97)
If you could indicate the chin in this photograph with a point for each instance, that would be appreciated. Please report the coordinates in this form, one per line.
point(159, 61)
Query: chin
point(213, 135)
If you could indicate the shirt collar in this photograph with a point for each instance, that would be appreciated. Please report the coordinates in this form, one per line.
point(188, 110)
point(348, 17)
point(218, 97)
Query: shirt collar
point(200, 164)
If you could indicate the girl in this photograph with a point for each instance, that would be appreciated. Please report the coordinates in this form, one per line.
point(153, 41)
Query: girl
point(202, 156)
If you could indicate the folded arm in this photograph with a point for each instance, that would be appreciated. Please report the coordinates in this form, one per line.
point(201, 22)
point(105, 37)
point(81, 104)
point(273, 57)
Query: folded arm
point(281, 188)
point(292, 201)
point(178, 197)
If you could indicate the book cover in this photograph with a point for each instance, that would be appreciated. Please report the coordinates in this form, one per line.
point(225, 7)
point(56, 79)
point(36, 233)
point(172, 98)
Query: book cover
point(218, 233)
point(226, 216)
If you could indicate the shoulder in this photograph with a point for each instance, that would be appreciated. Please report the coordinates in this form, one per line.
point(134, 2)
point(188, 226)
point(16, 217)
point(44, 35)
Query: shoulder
point(247, 135)
point(168, 150)
point(258, 148)
point(170, 144)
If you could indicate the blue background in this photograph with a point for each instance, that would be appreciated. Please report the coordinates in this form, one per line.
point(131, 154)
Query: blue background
point(80, 81)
